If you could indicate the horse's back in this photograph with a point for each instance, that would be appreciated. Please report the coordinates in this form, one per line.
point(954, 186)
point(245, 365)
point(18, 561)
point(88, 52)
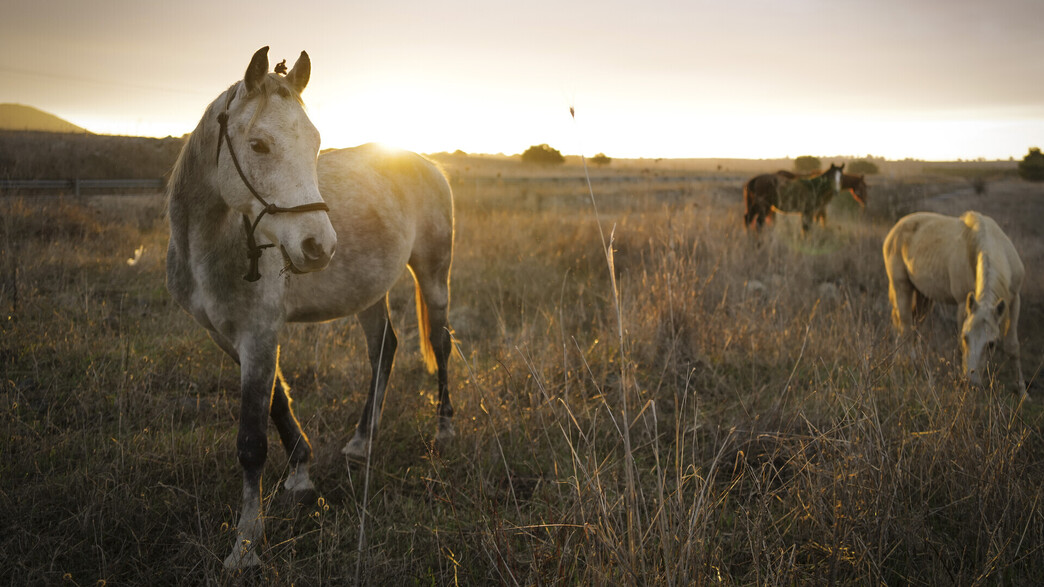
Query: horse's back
point(389, 209)
point(939, 252)
point(411, 178)
point(399, 190)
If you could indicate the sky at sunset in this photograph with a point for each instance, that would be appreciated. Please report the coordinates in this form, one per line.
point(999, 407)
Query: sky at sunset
point(935, 80)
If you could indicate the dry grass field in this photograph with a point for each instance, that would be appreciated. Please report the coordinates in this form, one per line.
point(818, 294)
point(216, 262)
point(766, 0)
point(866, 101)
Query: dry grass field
point(711, 408)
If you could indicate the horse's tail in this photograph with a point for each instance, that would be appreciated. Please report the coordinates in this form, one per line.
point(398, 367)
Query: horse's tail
point(424, 328)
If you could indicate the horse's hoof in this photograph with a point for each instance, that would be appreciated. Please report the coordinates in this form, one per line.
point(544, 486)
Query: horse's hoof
point(445, 434)
point(297, 497)
point(298, 483)
point(356, 450)
point(242, 558)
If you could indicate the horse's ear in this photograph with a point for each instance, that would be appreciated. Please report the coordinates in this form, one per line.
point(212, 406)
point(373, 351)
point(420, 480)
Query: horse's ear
point(842, 167)
point(1001, 306)
point(257, 70)
point(298, 76)
point(971, 302)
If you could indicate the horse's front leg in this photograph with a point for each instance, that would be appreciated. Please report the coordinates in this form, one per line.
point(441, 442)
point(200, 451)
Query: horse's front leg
point(257, 376)
point(1011, 341)
point(380, 345)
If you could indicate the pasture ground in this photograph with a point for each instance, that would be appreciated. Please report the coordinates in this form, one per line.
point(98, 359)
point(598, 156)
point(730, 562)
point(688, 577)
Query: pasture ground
point(735, 411)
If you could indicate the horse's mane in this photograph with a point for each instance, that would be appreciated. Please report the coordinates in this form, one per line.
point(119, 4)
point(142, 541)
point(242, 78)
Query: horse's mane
point(980, 246)
point(181, 175)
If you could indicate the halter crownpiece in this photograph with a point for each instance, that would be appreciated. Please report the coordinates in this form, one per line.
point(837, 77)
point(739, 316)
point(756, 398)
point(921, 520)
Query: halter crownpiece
point(254, 250)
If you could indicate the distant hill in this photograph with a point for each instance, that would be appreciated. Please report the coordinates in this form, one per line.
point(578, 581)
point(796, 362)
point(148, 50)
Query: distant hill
point(19, 117)
point(53, 155)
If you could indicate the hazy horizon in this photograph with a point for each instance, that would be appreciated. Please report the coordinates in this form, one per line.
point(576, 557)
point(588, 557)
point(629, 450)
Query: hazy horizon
point(451, 152)
point(934, 81)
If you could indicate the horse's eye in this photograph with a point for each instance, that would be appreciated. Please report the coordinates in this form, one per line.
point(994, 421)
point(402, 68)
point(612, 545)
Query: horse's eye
point(259, 146)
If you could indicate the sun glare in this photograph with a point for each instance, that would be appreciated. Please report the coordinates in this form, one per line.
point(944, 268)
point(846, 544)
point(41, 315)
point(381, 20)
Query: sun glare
point(397, 115)
point(430, 116)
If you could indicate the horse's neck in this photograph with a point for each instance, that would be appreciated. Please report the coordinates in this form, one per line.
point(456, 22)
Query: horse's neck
point(989, 287)
point(203, 228)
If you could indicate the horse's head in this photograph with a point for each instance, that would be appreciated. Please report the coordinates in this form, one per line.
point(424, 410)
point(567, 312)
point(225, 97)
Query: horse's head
point(835, 173)
point(267, 172)
point(980, 331)
point(858, 187)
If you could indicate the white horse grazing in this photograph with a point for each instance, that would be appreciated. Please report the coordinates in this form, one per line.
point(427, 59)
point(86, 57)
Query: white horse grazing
point(249, 173)
point(967, 261)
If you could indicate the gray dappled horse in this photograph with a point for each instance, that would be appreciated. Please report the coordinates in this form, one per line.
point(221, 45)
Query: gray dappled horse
point(247, 181)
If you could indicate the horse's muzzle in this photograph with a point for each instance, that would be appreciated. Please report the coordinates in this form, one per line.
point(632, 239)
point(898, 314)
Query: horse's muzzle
point(315, 253)
point(974, 378)
point(314, 256)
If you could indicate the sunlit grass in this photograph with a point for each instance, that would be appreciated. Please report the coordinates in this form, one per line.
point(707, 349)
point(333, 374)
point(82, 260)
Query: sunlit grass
point(774, 432)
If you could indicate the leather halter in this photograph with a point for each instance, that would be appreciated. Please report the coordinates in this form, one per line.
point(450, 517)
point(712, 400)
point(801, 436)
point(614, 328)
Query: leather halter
point(254, 250)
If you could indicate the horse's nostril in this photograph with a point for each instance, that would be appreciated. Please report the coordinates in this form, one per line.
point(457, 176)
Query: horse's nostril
point(312, 249)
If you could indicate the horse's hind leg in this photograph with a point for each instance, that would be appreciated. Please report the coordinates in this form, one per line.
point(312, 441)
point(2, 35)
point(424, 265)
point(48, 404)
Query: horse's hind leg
point(431, 273)
point(380, 345)
point(298, 449)
point(901, 294)
point(435, 292)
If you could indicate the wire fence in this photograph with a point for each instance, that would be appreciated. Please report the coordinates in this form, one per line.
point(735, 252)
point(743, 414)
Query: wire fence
point(79, 186)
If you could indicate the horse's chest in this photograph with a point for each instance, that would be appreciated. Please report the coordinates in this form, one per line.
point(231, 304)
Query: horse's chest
point(223, 302)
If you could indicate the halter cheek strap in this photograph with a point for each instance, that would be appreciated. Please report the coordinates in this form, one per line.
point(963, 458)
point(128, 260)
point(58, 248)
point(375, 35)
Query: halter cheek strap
point(254, 250)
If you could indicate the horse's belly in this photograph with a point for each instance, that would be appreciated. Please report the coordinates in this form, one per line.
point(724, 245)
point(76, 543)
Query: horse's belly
point(344, 288)
point(933, 289)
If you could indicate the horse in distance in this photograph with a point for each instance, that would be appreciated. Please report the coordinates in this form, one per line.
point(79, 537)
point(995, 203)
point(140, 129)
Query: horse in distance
point(854, 184)
point(248, 194)
point(965, 261)
point(766, 194)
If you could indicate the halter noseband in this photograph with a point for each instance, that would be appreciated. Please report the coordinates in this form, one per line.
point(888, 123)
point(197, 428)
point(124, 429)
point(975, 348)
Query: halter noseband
point(254, 250)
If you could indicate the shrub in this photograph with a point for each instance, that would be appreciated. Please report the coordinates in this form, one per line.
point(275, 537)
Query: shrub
point(806, 163)
point(543, 154)
point(1031, 168)
point(600, 159)
point(863, 166)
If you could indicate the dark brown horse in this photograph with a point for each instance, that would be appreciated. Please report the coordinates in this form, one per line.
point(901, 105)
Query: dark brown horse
point(856, 185)
point(785, 192)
